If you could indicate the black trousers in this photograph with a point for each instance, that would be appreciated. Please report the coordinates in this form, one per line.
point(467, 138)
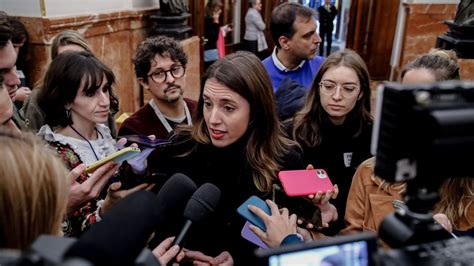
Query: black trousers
point(325, 34)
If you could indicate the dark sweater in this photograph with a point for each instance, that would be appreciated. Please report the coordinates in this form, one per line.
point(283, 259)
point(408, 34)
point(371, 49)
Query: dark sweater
point(340, 153)
point(227, 168)
point(145, 122)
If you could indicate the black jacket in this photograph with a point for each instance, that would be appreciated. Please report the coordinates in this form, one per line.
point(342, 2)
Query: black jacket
point(326, 17)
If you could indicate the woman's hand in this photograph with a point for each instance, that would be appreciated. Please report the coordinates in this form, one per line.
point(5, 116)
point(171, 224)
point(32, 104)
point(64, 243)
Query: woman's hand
point(89, 189)
point(443, 220)
point(197, 258)
point(279, 225)
point(114, 195)
point(164, 252)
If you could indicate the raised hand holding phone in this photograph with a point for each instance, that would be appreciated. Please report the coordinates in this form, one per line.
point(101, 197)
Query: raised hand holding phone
point(250, 216)
point(118, 157)
point(279, 224)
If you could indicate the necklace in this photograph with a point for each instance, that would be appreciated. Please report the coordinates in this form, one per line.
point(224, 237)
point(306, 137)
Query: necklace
point(88, 142)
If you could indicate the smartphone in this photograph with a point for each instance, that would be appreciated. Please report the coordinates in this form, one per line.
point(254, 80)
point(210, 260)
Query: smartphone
point(118, 157)
point(247, 234)
point(305, 182)
point(145, 142)
point(244, 211)
point(303, 208)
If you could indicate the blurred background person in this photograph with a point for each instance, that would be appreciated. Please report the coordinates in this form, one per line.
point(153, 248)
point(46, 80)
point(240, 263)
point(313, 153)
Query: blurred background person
point(254, 38)
point(326, 13)
point(20, 43)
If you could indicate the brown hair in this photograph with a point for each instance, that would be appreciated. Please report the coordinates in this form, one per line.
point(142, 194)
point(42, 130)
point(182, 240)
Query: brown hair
point(33, 190)
point(212, 6)
point(308, 121)
point(456, 195)
point(243, 73)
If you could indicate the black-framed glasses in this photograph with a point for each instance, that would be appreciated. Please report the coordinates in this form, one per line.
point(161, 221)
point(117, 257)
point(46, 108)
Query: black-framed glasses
point(346, 90)
point(176, 71)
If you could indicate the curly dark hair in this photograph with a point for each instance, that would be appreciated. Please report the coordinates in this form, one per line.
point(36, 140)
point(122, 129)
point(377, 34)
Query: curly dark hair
point(63, 80)
point(162, 45)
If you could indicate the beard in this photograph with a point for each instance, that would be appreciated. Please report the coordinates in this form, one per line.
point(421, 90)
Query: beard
point(173, 98)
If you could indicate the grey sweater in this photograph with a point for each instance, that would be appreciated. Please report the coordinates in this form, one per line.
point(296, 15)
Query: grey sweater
point(253, 24)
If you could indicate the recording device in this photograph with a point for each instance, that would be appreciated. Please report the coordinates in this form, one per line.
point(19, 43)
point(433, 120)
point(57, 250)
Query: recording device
point(120, 238)
point(304, 209)
point(423, 134)
point(244, 211)
point(202, 203)
point(145, 142)
point(118, 157)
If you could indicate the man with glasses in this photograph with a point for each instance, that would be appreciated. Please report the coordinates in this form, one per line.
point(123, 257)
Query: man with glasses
point(160, 66)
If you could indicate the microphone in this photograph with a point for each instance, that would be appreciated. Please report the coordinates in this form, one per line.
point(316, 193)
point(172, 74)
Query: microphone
point(202, 204)
point(124, 231)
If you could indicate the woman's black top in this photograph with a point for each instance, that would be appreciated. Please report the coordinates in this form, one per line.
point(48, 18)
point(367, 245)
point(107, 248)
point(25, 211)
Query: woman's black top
point(228, 169)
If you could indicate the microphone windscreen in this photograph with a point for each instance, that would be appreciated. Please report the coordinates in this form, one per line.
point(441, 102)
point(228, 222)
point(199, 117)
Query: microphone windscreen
point(172, 199)
point(126, 228)
point(202, 203)
point(122, 233)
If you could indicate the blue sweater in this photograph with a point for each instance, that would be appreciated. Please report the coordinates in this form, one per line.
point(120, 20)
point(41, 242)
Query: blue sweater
point(303, 75)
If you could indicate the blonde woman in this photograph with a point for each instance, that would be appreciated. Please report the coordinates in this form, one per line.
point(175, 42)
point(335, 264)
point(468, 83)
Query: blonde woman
point(33, 190)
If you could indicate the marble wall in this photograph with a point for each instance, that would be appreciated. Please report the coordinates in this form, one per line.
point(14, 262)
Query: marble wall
point(424, 23)
point(113, 36)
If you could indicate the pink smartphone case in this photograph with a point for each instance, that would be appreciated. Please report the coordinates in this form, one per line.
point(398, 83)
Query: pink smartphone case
point(305, 182)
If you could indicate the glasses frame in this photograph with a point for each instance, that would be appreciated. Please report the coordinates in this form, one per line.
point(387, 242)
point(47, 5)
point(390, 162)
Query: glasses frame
point(338, 87)
point(166, 74)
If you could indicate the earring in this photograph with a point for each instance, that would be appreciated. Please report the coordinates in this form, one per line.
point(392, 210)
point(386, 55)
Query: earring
point(68, 114)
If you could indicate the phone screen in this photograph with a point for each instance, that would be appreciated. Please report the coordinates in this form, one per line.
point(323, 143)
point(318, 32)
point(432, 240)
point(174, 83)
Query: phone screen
point(304, 209)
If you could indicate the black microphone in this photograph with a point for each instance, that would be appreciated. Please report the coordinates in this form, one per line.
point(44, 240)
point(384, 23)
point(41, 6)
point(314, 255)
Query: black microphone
point(124, 231)
point(202, 204)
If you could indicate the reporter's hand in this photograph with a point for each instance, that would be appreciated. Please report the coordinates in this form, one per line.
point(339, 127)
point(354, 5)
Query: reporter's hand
point(443, 220)
point(114, 194)
point(321, 200)
point(224, 259)
point(139, 162)
point(164, 252)
point(197, 258)
point(305, 233)
point(81, 193)
point(278, 225)
point(22, 94)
